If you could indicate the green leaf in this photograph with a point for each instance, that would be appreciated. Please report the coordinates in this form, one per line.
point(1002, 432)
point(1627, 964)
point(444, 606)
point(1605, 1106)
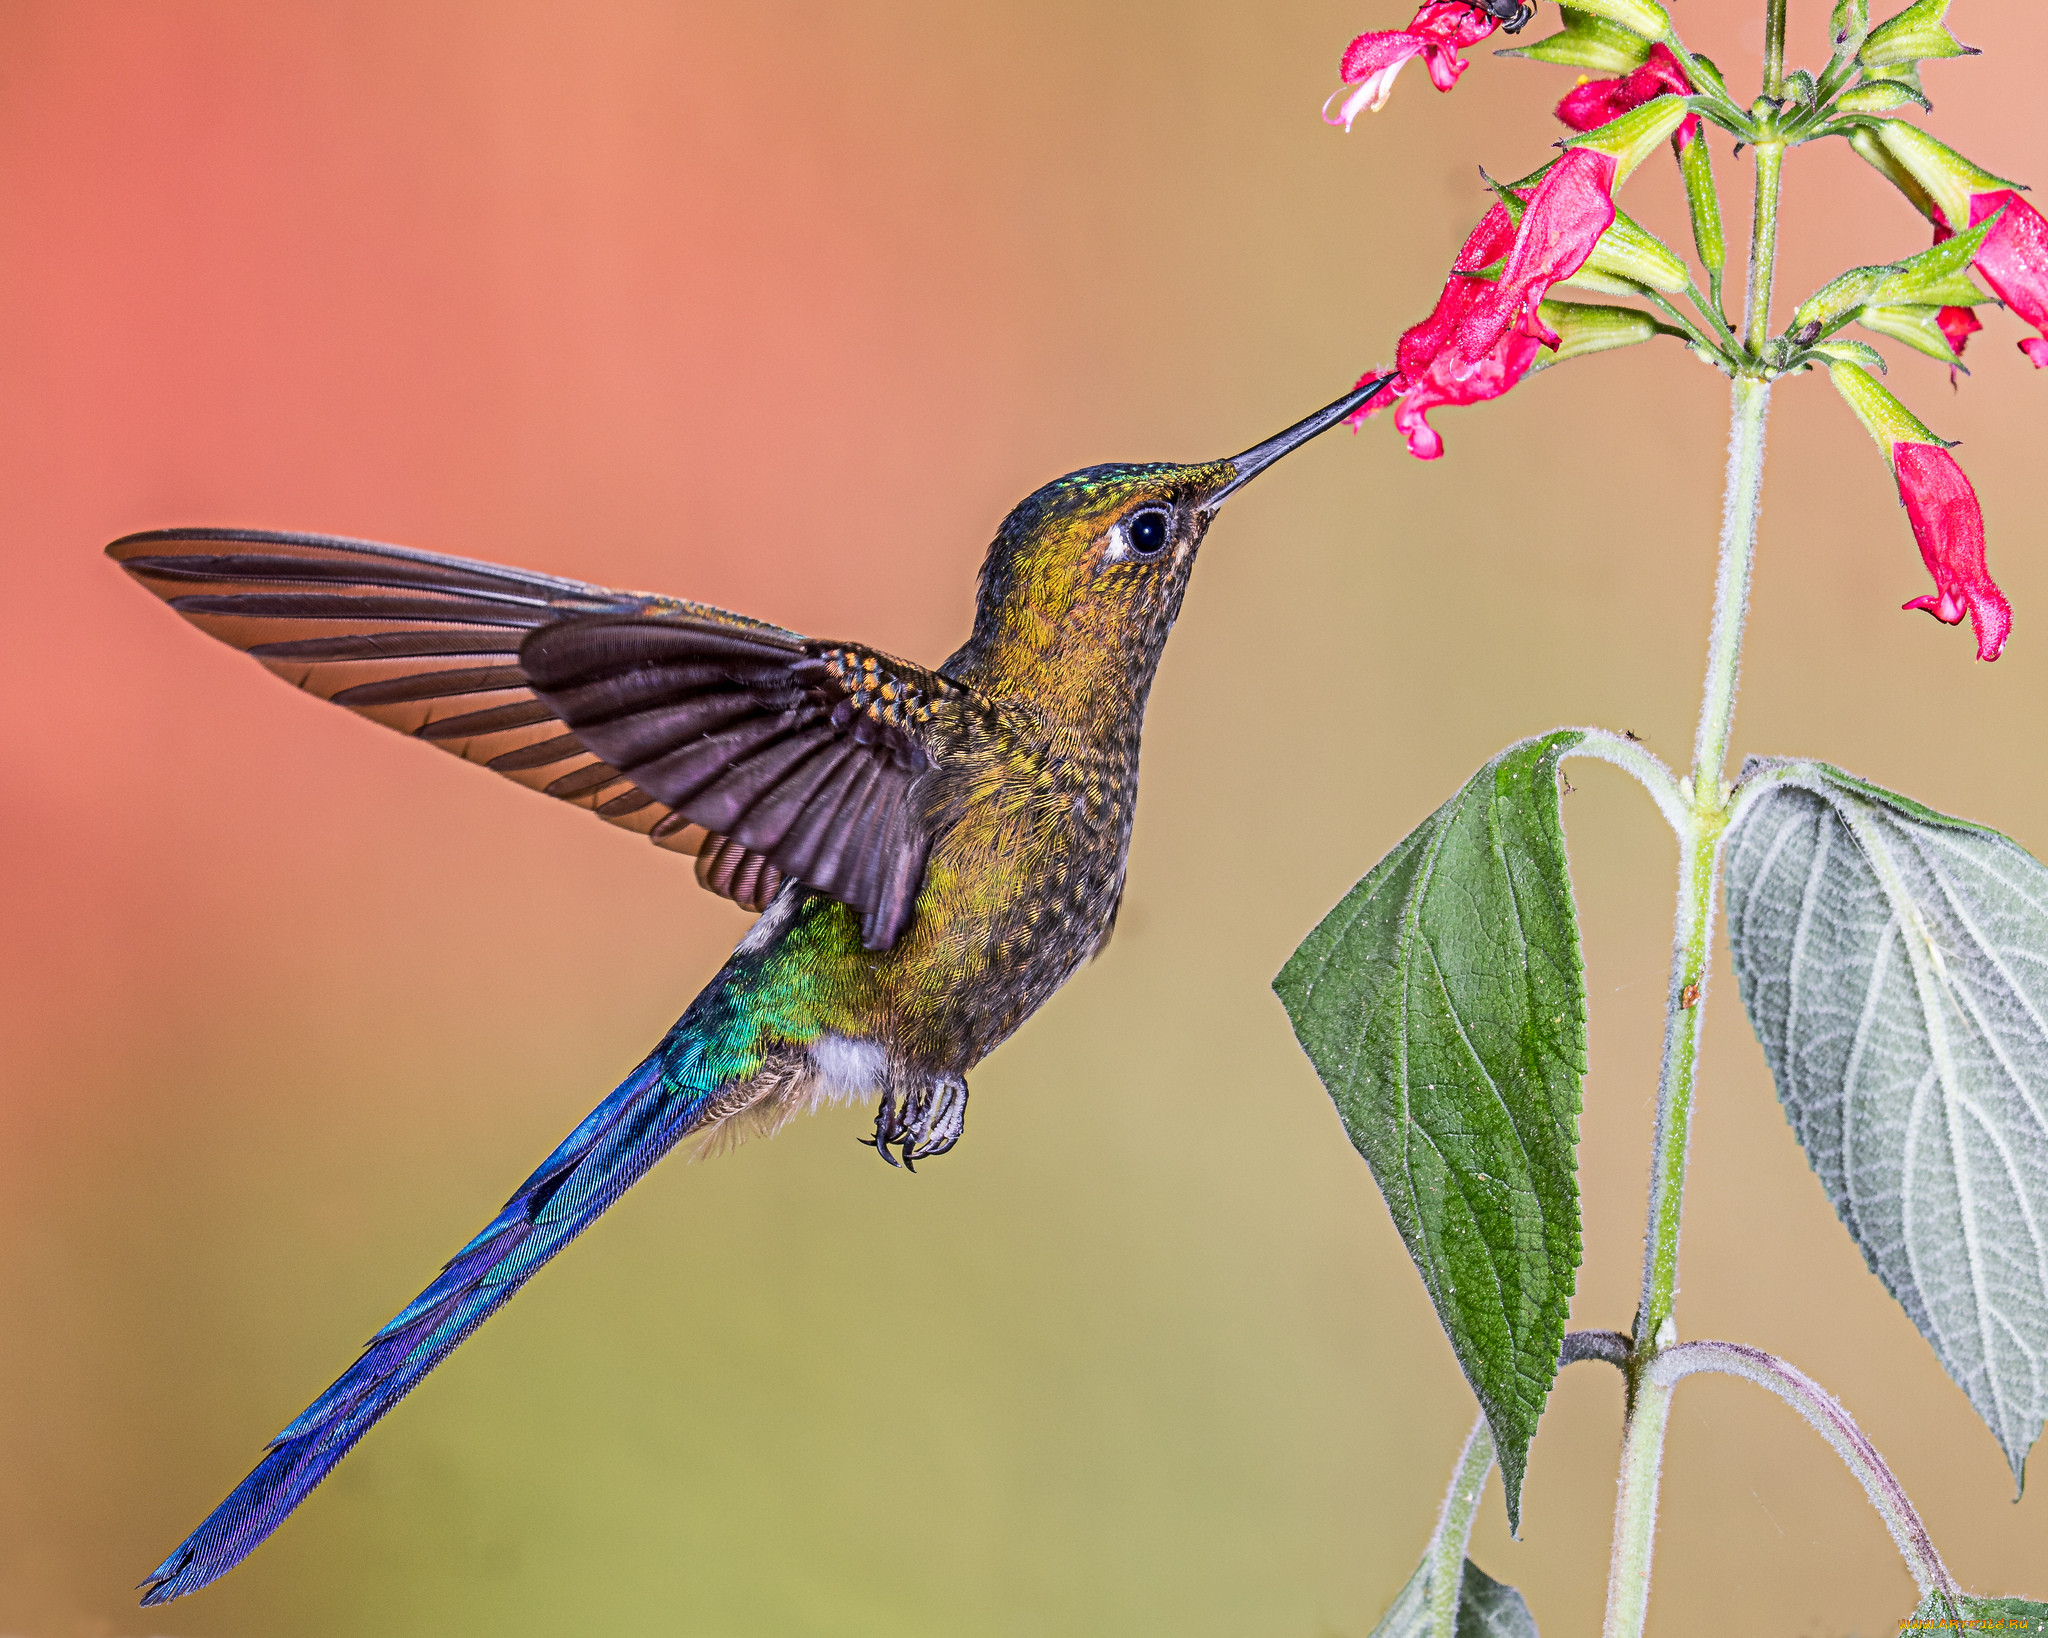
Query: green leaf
point(1587, 42)
point(1443, 1002)
point(1486, 1608)
point(1939, 1613)
point(1894, 962)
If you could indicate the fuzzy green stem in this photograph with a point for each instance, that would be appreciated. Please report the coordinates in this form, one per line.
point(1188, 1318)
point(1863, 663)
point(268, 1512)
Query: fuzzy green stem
point(1833, 1423)
point(1763, 251)
point(1774, 48)
point(1749, 411)
point(1642, 1455)
point(1642, 1460)
point(1454, 1530)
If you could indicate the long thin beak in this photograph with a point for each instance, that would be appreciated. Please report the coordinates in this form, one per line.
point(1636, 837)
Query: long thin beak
point(1260, 456)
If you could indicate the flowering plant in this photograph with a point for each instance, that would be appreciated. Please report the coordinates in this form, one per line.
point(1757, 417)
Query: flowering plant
point(1893, 960)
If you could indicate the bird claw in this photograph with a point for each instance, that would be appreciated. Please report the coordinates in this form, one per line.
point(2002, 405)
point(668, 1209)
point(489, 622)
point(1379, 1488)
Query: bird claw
point(927, 1120)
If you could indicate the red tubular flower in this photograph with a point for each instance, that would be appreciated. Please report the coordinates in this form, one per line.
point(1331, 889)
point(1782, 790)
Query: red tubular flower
point(1372, 61)
point(2013, 260)
point(1590, 105)
point(1942, 507)
point(1949, 525)
point(1483, 334)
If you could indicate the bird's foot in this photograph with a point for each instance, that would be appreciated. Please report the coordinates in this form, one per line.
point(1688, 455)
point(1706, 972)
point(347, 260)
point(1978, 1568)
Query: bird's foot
point(927, 1120)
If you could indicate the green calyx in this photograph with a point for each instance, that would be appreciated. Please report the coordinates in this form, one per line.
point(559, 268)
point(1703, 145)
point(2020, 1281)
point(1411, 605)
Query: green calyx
point(1883, 416)
point(1587, 41)
point(1641, 17)
point(1635, 135)
point(1584, 327)
point(1945, 176)
point(1936, 277)
point(1859, 353)
point(1629, 258)
point(1918, 326)
point(1880, 97)
point(1914, 35)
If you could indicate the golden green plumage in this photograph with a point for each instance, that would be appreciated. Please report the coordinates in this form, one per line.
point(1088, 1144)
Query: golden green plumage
point(949, 844)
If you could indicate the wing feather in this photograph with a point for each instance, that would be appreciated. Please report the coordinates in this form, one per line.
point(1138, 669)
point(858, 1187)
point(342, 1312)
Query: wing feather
point(684, 722)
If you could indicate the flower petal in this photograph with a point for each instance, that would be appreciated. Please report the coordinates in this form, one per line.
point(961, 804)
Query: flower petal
point(1452, 23)
point(2014, 260)
point(1371, 61)
point(1949, 525)
point(1451, 381)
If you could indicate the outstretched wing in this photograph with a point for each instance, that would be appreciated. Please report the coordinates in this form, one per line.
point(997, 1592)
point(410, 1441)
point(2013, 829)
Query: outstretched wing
point(805, 753)
point(431, 646)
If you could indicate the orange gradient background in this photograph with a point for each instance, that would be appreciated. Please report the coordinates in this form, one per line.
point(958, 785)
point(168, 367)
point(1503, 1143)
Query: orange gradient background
point(782, 307)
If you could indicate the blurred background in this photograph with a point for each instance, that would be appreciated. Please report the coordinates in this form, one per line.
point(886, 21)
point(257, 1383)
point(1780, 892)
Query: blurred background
point(781, 307)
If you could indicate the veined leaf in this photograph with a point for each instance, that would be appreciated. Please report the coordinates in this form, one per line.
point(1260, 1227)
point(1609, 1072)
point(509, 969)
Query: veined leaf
point(1894, 962)
point(1486, 1608)
point(1443, 1002)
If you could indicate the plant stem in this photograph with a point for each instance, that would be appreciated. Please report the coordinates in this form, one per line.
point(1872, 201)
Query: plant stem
point(1642, 1451)
point(1833, 1423)
point(1749, 408)
point(1446, 1558)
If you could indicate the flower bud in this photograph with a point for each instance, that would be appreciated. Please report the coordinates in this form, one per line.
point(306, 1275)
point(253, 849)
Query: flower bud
point(1703, 200)
point(1636, 134)
point(1879, 97)
point(1644, 17)
point(1917, 33)
point(1707, 77)
point(1587, 42)
point(1850, 25)
point(1851, 352)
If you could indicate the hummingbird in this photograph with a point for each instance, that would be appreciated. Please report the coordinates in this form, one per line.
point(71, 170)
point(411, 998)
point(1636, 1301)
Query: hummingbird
point(931, 853)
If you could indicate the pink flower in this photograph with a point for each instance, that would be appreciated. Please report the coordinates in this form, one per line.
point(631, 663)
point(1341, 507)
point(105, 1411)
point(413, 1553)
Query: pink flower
point(2013, 260)
point(1434, 34)
point(1590, 105)
point(1949, 525)
point(1942, 507)
point(1482, 336)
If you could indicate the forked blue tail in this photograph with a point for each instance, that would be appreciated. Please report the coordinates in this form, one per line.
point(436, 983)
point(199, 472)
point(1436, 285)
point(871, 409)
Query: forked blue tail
point(710, 1046)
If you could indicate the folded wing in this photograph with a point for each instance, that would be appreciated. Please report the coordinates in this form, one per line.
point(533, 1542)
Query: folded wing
point(807, 754)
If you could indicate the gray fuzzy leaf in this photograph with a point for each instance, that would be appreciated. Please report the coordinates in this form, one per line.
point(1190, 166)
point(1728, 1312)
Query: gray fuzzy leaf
point(1894, 962)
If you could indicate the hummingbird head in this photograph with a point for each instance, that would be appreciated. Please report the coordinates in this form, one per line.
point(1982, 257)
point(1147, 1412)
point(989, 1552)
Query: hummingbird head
point(1084, 579)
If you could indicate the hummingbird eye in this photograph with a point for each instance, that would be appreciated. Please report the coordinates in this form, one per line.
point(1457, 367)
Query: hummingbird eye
point(1147, 532)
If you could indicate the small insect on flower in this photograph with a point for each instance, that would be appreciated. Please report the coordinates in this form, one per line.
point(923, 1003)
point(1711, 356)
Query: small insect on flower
point(1689, 997)
point(1513, 18)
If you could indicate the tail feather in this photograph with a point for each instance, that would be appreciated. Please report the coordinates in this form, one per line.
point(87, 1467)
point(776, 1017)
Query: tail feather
point(654, 1107)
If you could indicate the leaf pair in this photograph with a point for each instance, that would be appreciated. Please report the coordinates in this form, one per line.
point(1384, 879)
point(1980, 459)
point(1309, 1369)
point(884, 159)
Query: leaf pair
point(1894, 963)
